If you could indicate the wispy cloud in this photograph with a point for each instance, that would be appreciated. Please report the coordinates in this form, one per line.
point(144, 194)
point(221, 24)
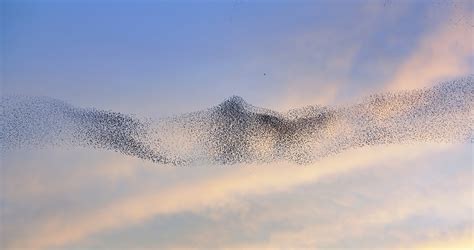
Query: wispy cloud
point(196, 195)
point(441, 54)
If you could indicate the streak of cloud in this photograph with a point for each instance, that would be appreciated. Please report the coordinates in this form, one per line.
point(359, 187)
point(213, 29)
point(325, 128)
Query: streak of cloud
point(195, 196)
point(443, 53)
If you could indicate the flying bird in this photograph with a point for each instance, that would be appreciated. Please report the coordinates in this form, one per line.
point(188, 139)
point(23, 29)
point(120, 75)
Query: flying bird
point(237, 132)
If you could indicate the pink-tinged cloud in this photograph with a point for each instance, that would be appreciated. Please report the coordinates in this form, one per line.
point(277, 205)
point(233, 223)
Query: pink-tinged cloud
point(194, 196)
point(441, 54)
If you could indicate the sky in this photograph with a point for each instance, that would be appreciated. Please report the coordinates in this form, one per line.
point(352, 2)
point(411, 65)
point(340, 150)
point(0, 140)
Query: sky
point(161, 58)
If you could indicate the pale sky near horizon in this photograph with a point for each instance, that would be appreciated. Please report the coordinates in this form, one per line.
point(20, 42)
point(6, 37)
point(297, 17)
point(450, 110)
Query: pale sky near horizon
point(160, 58)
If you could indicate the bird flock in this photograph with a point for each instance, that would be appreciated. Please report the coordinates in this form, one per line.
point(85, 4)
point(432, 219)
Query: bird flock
point(237, 132)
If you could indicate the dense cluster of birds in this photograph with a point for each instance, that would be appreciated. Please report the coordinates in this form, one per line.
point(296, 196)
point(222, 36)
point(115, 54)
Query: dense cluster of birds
point(237, 132)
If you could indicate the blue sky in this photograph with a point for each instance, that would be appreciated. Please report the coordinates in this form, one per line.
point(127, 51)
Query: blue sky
point(160, 54)
point(159, 58)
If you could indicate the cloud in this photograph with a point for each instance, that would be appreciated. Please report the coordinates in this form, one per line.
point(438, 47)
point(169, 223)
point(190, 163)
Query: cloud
point(462, 240)
point(387, 205)
point(194, 196)
point(441, 54)
point(36, 183)
point(400, 219)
